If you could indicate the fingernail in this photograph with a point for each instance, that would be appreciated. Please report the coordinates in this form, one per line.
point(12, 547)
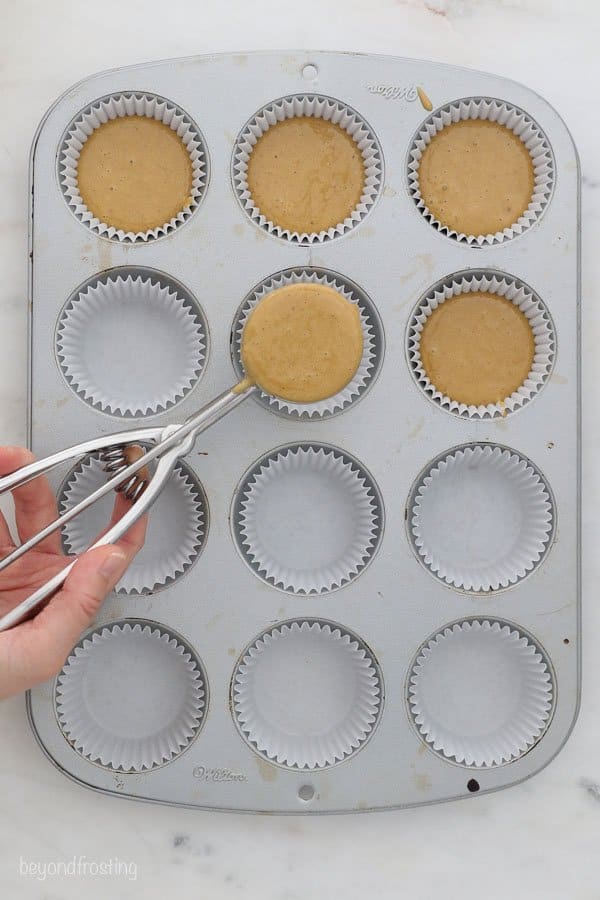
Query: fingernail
point(113, 564)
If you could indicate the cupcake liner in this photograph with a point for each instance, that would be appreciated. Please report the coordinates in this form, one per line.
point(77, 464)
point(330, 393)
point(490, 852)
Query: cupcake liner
point(176, 534)
point(117, 106)
point(131, 696)
point(525, 300)
point(517, 121)
point(480, 693)
point(112, 334)
point(481, 518)
point(321, 108)
point(307, 694)
point(372, 341)
point(307, 519)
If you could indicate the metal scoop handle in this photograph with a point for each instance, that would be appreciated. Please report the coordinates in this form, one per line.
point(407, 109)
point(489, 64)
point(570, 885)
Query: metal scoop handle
point(175, 442)
point(41, 466)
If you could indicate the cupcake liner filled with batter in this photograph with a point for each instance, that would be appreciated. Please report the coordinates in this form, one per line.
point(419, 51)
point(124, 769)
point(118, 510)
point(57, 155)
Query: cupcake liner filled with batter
point(481, 518)
point(481, 693)
point(133, 167)
point(307, 694)
point(177, 526)
point(132, 343)
point(480, 170)
point(373, 341)
point(307, 518)
point(131, 696)
point(481, 344)
point(307, 168)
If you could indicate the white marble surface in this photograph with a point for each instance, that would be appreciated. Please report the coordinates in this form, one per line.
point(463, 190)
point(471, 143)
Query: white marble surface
point(539, 839)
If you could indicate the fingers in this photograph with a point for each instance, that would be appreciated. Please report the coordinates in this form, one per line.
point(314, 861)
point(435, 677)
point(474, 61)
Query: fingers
point(38, 648)
point(35, 504)
point(11, 458)
point(133, 539)
point(73, 608)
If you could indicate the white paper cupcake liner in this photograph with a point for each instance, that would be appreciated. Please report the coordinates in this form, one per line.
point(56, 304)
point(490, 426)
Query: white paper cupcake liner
point(307, 694)
point(130, 345)
point(372, 329)
point(486, 281)
point(480, 693)
point(321, 108)
point(131, 696)
point(176, 534)
point(307, 518)
point(117, 106)
point(517, 121)
point(481, 518)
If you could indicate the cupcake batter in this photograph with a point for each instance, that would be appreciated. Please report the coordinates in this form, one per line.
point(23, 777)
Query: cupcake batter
point(303, 343)
point(132, 453)
point(476, 177)
point(306, 174)
point(134, 173)
point(425, 101)
point(477, 348)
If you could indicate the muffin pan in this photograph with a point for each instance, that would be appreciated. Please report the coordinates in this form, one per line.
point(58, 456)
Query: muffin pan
point(369, 603)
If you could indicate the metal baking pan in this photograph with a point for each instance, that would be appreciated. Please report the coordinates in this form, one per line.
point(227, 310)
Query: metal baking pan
point(336, 641)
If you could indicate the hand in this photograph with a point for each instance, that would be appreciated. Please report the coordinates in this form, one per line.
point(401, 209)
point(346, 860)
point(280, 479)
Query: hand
point(36, 650)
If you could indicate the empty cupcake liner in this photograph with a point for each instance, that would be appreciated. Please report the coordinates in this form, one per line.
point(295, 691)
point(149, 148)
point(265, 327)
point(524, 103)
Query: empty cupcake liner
point(522, 125)
point(176, 534)
point(131, 345)
point(372, 341)
point(481, 518)
point(307, 518)
point(117, 106)
point(307, 694)
point(525, 299)
point(481, 693)
point(321, 108)
point(131, 696)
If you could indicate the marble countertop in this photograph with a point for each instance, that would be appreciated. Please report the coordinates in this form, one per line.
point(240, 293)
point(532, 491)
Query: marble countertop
point(537, 840)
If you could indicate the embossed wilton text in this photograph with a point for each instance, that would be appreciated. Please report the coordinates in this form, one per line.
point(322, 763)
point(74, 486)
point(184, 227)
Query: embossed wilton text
point(206, 774)
point(394, 92)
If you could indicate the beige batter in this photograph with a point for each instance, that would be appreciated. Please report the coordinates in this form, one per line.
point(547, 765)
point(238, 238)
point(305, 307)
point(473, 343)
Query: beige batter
point(306, 174)
point(476, 177)
point(134, 173)
point(132, 453)
point(477, 348)
point(302, 343)
point(425, 101)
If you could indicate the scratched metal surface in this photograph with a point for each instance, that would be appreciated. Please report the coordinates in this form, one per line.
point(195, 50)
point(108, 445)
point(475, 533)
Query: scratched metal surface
point(220, 606)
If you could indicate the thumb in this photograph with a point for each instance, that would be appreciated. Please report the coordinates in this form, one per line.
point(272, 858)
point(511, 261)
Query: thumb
point(92, 577)
point(50, 636)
